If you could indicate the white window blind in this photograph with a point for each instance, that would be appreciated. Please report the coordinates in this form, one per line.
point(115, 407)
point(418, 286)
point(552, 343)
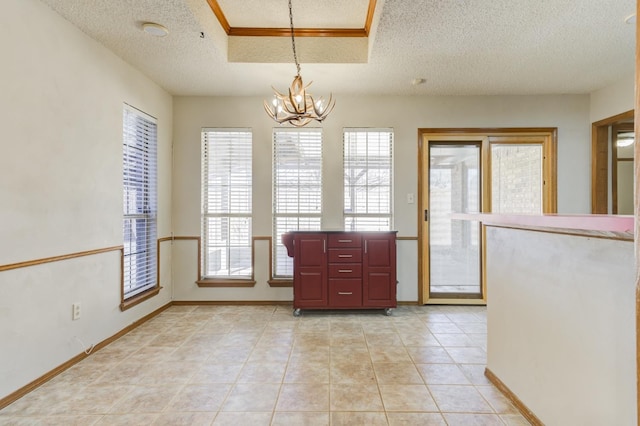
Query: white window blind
point(368, 179)
point(297, 188)
point(226, 203)
point(140, 201)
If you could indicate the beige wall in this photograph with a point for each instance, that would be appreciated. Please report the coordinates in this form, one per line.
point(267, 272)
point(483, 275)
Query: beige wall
point(61, 191)
point(405, 115)
point(625, 187)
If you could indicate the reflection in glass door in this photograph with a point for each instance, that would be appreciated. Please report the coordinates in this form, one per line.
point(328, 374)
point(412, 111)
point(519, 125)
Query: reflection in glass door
point(516, 178)
point(454, 245)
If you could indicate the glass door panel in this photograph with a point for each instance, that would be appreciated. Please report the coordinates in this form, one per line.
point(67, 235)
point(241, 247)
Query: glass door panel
point(454, 245)
point(516, 178)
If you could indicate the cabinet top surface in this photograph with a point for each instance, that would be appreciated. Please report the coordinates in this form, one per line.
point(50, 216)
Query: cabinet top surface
point(340, 231)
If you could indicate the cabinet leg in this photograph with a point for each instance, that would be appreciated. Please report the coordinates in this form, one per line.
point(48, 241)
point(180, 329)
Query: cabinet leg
point(296, 312)
point(387, 311)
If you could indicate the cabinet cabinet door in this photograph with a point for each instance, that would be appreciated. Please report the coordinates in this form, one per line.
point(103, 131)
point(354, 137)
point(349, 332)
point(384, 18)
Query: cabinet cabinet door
point(310, 270)
point(379, 271)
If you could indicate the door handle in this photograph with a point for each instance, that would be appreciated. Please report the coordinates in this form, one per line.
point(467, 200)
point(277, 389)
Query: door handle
point(426, 215)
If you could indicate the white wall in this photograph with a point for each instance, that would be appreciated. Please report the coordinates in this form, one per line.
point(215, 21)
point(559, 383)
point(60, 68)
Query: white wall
point(570, 114)
point(61, 191)
point(561, 320)
point(613, 99)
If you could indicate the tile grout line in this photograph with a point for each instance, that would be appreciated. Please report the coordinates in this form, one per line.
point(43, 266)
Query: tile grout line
point(268, 336)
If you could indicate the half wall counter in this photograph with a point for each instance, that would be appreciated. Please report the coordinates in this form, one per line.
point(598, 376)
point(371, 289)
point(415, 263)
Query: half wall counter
point(561, 316)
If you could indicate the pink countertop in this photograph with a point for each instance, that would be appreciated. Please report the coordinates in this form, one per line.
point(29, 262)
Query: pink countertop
point(602, 225)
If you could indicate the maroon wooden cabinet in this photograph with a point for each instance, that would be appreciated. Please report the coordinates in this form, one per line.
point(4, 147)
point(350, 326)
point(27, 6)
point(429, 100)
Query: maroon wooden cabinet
point(343, 270)
point(379, 270)
point(310, 269)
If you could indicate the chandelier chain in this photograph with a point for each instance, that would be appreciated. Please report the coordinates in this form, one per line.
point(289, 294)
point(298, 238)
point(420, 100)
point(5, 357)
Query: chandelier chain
point(293, 39)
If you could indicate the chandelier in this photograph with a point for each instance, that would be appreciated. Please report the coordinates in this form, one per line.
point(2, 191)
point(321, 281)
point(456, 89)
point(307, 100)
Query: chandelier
point(298, 107)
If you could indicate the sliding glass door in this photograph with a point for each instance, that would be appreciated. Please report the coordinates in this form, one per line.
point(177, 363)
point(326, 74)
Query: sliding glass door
point(505, 173)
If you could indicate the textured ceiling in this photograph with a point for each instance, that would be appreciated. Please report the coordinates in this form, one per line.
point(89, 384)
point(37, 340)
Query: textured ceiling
point(460, 47)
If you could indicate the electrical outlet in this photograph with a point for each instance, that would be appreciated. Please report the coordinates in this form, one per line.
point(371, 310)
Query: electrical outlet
point(76, 311)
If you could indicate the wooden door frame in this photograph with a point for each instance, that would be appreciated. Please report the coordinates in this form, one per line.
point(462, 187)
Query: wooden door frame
point(600, 160)
point(469, 134)
point(615, 129)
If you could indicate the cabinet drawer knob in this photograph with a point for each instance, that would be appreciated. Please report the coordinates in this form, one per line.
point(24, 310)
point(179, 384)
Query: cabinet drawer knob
point(345, 241)
point(345, 293)
point(345, 255)
point(345, 271)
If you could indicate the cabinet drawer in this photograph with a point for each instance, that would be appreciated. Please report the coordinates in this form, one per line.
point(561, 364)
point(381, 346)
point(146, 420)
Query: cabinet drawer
point(345, 239)
point(345, 270)
point(345, 255)
point(345, 293)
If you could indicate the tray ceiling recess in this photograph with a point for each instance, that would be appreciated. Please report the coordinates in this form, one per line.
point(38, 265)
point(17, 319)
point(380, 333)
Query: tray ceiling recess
point(326, 32)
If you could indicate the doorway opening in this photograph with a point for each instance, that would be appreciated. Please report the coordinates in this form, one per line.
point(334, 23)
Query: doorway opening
point(612, 164)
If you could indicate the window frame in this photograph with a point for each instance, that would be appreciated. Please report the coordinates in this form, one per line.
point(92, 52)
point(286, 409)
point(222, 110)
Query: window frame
point(208, 137)
point(380, 133)
point(139, 174)
point(314, 142)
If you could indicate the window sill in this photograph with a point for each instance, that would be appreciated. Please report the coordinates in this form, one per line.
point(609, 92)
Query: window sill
point(281, 283)
point(225, 283)
point(139, 298)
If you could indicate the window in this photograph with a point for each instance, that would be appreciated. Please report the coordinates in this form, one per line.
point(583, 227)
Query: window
point(297, 188)
point(140, 202)
point(368, 175)
point(226, 203)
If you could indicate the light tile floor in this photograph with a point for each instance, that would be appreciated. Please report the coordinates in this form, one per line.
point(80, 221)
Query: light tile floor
point(259, 365)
